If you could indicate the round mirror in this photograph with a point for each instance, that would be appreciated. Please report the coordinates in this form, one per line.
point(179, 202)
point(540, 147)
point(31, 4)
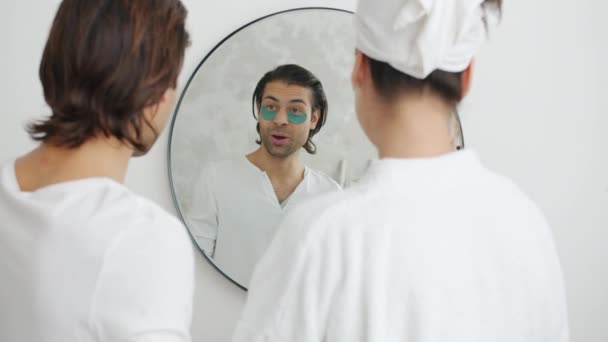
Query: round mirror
point(265, 122)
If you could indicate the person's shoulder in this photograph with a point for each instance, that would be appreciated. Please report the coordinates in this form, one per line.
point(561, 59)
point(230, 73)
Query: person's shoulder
point(151, 215)
point(153, 232)
point(322, 180)
point(138, 215)
point(508, 188)
point(503, 191)
point(227, 164)
point(222, 167)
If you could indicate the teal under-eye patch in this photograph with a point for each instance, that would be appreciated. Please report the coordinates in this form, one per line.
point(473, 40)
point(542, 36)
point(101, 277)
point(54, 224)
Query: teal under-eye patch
point(267, 114)
point(297, 118)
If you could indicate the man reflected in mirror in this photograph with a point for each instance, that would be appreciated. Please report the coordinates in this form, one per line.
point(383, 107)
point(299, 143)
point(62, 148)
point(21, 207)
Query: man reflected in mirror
point(237, 204)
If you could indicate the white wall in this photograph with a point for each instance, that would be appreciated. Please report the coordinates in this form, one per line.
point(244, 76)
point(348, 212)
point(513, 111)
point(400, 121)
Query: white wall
point(537, 113)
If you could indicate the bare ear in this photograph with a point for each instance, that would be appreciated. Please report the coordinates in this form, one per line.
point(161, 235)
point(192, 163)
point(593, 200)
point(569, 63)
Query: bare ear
point(358, 74)
point(467, 79)
point(164, 97)
point(316, 115)
point(151, 110)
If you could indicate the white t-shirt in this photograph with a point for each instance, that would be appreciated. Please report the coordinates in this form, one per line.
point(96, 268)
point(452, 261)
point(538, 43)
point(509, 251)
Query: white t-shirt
point(88, 260)
point(235, 212)
point(421, 250)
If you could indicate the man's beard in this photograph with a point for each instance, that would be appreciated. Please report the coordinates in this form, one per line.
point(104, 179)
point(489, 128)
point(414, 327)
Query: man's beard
point(283, 151)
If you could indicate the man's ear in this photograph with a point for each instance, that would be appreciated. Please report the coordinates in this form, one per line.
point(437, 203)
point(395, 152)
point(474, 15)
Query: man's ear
point(358, 73)
point(314, 120)
point(258, 108)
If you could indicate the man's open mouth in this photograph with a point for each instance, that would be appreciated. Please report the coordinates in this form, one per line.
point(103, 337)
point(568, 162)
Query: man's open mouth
point(279, 137)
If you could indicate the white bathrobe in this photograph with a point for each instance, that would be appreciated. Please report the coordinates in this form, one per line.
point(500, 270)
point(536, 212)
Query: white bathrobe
point(422, 250)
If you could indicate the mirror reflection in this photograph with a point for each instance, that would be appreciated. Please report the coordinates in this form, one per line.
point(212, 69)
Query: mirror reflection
point(266, 122)
point(238, 203)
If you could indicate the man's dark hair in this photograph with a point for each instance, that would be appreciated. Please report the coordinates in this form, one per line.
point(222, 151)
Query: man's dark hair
point(293, 74)
point(104, 62)
point(390, 82)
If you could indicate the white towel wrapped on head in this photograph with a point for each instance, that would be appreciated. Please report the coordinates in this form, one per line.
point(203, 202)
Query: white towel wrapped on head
point(418, 37)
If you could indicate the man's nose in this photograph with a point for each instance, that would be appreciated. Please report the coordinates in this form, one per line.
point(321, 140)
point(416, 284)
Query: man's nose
point(282, 118)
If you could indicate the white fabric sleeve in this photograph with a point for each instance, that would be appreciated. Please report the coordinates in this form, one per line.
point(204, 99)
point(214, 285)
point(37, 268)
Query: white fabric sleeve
point(203, 214)
point(291, 291)
point(144, 292)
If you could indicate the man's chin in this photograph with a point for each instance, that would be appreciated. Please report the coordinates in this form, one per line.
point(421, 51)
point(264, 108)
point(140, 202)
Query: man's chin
point(280, 155)
point(283, 152)
point(279, 152)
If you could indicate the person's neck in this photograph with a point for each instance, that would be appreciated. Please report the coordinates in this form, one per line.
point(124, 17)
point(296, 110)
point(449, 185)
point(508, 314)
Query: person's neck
point(49, 164)
point(277, 168)
point(414, 128)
